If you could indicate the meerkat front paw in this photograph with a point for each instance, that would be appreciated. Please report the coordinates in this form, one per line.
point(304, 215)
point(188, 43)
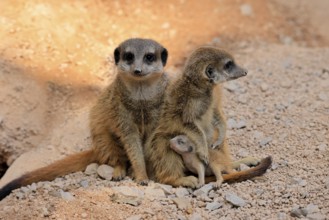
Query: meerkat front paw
point(119, 173)
point(188, 181)
point(204, 158)
point(217, 144)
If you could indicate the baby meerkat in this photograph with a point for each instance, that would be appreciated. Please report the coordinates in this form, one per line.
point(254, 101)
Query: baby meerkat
point(121, 120)
point(191, 108)
point(218, 163)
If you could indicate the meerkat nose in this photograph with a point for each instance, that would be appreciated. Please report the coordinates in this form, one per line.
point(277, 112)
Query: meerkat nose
point(137, 71)
point(245, 72)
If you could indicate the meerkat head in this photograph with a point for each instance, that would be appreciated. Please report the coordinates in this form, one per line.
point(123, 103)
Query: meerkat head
point(182, 144)
point(215, 65)
point(140, 59)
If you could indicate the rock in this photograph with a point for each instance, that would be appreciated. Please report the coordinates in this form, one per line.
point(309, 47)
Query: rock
point(265, 141)
point(296, 212)
point(281, 216)
point(242, 99)
point(299, 181)
point(45, 212)
point(84, 183)
point(33, 187)
point(310, 209)
point(213, 205)
point(130, 200)
point(241, 124)
point(105, 171)
point(322, 147)
point(234, 199)
point(231, 123)
point(134, 217)
point(66, 195)
point(203, 191)
point(316, 216)
point(128, 191)
point(91, 169)
point(326, 182)
point(263, 87)
point(243, 153)
point(246, 10)
point(196, 216)
point(243, 167)
point(182, 203)
point(322, 96)
point(286, 83)
point(84, 215)
point(154, 193)
point(166, 188)
point(181, 192)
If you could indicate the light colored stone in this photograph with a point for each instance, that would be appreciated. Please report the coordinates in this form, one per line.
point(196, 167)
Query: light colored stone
point(154, 193)
point(168, 189)
point(105, 171)
point(128, 191)
point(195, 216)
point(182, 203)
point(234, 199)
point(181, 192)
point(309, 209)
point(134, 217)
point(66, 195)
point(213, 205)
point(316, 216)
point(91, 169)
point(204, 190)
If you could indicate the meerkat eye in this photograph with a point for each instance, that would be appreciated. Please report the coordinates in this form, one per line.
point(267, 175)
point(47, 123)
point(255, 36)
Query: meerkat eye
point(210, 71)
point(180, 141)
point(228, 65)
point(129, 57)
point(150, 57)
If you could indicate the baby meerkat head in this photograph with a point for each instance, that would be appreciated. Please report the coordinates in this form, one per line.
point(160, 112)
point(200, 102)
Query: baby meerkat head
point(140, 59)
point(182, 144)
point(215, 65)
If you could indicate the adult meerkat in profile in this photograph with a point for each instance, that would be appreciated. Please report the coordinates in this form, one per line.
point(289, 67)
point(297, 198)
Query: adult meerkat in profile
point(123, 117)
point(218, 163)
point(191, 106)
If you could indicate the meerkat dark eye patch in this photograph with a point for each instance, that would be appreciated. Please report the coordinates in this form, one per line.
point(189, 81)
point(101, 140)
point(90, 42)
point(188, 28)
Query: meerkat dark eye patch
point(129, 57)
point(210, 72)
point(150, 57)
point(180, 141)
point(229, 65)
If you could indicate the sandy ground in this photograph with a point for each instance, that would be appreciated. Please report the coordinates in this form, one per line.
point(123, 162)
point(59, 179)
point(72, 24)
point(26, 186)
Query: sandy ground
point(56, 57)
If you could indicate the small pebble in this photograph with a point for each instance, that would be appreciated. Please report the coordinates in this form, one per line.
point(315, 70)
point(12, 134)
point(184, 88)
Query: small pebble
point(105, 171)
point(181, 192)
point(213, 205)
point(91, 169)
point(234, 199)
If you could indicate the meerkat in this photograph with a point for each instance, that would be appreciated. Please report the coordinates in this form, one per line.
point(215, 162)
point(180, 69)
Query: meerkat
point(218, 162)
point(191, 108)
point(121, 120)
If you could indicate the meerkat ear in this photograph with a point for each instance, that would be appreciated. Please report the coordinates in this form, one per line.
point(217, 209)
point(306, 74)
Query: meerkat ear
point(164, 56)
point(116, 55)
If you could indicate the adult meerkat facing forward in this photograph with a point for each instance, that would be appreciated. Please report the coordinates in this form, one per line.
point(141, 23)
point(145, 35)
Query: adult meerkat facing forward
point(123, 117)
point(190, 107)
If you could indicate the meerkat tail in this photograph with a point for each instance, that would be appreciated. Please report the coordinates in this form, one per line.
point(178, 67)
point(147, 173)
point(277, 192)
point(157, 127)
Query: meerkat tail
point(259, 170)
point(69, 164)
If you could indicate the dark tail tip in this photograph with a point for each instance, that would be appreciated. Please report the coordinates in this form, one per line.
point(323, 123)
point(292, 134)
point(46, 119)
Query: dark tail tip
point(6, 190)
